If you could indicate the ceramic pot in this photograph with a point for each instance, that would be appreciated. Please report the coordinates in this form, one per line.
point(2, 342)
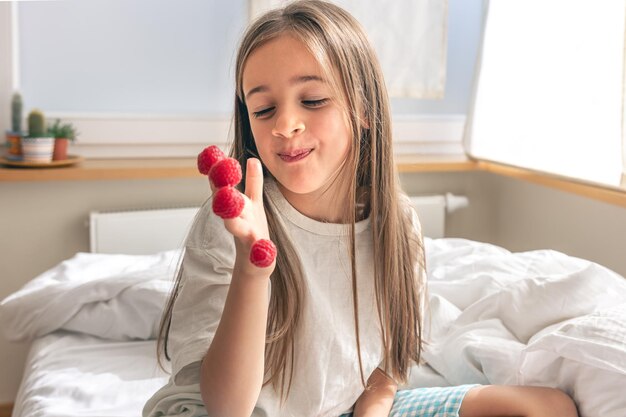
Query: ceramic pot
point(14, 146)
point(37, 149)
point(60, 149)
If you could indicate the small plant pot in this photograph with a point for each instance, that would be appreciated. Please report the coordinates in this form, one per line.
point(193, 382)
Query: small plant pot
point(37, 149)
point(60, 149)
point(14, 146)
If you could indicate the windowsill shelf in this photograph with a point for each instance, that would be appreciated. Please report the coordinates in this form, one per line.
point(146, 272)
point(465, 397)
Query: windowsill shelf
point(107, 169)
point(140, 169)
point(120, 169)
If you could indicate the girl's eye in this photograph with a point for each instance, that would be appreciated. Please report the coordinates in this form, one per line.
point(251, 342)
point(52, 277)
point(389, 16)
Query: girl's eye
point(260, 113)
point(315, 103)
point(307, 103)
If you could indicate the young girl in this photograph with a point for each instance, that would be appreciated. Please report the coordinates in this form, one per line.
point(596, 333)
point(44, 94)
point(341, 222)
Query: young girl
point(335, 323)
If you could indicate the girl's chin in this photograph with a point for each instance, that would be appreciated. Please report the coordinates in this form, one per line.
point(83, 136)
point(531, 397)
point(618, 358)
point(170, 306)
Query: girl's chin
point(302, 187)
point(297, 186)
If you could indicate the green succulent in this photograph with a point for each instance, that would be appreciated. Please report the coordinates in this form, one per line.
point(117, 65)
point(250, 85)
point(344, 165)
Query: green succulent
point(36, 124)
point(62, 131)
point(16, 113)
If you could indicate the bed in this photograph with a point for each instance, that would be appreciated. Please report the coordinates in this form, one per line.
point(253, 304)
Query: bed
point(538, 318)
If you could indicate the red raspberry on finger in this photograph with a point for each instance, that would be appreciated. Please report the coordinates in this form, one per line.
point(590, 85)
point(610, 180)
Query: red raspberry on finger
point(263, 253)
point(209, 157)
point(225, 172)
point(228, 202)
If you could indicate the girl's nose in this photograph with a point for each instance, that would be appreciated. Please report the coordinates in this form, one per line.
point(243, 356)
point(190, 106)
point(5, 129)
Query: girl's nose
point(288, 124)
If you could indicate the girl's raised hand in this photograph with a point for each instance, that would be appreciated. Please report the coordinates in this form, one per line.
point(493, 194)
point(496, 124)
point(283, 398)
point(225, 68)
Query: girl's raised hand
point(243, 214)
point(251, 224)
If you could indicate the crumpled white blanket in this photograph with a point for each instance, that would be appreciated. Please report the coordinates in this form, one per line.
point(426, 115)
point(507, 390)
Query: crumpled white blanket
point(536, 318)
point(486, 304)
point(116, 297)
point(495, 316)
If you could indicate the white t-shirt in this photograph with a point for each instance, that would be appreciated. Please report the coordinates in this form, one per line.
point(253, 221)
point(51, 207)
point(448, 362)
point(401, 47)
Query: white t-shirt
point(326, 380)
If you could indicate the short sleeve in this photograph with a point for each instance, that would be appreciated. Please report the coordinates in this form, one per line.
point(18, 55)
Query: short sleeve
point(207, 267)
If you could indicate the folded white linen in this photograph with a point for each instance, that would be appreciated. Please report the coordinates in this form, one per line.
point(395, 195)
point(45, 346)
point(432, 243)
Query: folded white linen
point(118, 297)
point(70, 374)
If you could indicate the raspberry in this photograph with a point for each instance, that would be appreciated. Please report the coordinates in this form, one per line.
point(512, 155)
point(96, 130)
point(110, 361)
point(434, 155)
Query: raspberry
point(225, 172)
point(209, 157)
point(262, 253)
point(228, 202)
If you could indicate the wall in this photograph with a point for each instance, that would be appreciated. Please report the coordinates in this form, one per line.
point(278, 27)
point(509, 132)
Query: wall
point(530, 216)
point(155, 85)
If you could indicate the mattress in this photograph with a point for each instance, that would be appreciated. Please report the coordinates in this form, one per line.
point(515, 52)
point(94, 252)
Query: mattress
point(72, 374)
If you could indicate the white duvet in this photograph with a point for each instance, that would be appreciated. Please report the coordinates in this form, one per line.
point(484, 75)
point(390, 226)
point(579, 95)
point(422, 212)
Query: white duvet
point(539, 317)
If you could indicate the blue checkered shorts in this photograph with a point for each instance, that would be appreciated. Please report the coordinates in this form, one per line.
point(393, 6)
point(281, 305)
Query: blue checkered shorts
point(428, 402)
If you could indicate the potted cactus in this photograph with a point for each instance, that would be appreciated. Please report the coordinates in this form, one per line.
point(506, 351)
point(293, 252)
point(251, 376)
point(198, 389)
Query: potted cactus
point(14, 136)
point(37, 146)
point(62, 134)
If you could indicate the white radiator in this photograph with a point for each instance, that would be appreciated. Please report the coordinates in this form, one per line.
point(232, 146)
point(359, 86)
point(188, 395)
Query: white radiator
point(139, 232)
point(432, 212)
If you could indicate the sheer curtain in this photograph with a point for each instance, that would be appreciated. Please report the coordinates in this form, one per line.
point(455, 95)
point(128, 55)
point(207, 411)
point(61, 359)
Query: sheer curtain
point(410, 38)
point(549, 92)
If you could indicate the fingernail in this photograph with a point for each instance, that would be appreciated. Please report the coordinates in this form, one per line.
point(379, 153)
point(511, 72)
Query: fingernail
point(254, 164)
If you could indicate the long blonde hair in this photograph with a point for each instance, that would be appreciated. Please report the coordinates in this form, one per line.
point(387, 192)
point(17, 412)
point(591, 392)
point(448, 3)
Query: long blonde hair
point(340, 46)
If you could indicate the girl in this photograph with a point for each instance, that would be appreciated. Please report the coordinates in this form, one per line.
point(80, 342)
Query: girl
point(335, 323)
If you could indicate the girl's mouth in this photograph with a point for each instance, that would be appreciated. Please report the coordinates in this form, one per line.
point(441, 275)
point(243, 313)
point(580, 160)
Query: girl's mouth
point(295, 156)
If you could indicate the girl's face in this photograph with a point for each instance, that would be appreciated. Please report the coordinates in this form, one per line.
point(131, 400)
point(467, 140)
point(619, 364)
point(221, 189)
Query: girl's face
point(300, 131)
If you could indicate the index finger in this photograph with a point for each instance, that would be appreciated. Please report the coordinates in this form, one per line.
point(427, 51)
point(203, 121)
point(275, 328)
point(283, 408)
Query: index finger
point(254, 180)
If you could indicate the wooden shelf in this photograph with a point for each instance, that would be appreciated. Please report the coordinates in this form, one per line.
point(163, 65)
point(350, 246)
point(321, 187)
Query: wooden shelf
point(138, 169)
point(120, 169)
point(434, 163)
point(107, 169)
point(6, 410)
point(599, 192)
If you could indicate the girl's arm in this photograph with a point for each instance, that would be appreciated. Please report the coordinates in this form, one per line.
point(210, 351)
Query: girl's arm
point(522, 401)
point(377, 399)
point(232, 371)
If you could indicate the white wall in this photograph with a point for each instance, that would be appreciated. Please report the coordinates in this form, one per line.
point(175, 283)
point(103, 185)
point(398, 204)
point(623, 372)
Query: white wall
point(530, 216)
point(140, 56)
point(161, 57)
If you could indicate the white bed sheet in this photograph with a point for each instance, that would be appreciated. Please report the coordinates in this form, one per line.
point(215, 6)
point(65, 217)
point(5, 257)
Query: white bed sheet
point(71, 374)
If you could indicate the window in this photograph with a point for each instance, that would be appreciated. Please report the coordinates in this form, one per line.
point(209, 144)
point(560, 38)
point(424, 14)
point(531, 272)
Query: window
point(549, 93)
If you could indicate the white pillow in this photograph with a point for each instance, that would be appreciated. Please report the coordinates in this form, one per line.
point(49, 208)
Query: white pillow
point(585, 357)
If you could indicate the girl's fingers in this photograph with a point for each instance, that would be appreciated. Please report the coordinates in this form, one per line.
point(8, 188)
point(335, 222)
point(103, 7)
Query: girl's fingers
point(254, 180)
